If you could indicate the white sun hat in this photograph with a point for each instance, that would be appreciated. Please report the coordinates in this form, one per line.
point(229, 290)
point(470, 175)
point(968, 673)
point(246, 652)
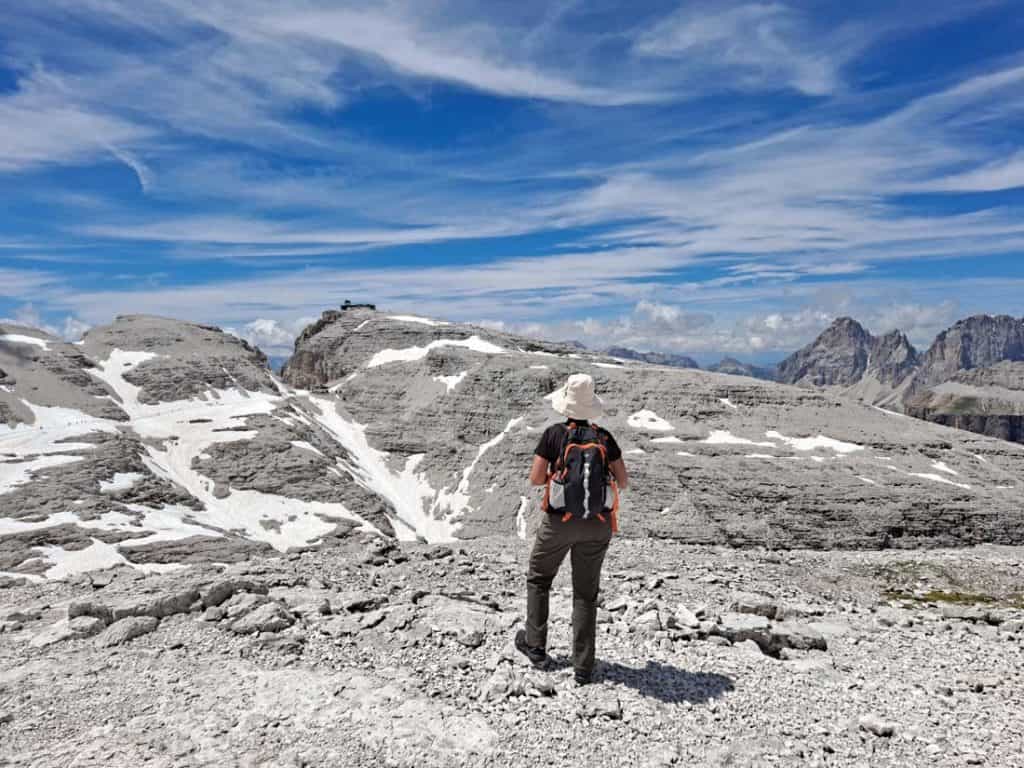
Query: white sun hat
point(576, 399)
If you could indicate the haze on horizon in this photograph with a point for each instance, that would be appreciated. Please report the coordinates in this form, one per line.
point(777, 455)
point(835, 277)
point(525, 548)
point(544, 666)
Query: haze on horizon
point(700, 179)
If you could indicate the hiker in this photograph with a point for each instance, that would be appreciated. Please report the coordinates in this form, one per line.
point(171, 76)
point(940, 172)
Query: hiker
point(582, 467)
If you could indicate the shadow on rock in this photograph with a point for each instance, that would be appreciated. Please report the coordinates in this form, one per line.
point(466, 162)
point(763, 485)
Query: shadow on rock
point(662, 681)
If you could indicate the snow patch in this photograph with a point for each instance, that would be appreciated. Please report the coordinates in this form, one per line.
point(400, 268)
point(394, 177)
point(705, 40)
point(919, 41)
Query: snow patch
point(635, 451)
point(306, 446)
point(409, 354)
point(724, 437)
point(813, 443)
point(939, 479)
point(97, 556)
point(649, 420)
point(121, 481)
point(539, 367)
point(867, 480)
point(457, 501)
point(617, 366)
point(416, 319)
point(942, 466)
point(668, 439)
point(17, 338)
point(451, 382)
point(406, 490)
point(728, 403)
point(45, 442)
point(684, 453)
point(175, 437)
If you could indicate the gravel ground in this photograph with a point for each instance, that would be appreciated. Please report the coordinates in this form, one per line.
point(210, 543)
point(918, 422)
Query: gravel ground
point(368, 654)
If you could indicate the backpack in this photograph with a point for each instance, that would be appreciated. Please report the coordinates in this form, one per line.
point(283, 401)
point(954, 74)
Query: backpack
point(581, 485)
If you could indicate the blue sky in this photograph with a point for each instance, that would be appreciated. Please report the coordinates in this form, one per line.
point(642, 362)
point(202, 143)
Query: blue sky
point(707, 178)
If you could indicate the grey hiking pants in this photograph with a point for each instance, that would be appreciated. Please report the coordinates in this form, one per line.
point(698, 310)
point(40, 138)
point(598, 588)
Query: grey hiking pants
point(587, 540)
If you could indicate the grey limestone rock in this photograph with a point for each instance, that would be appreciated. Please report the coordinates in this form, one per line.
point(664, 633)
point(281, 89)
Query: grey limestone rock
point(216, 593)
point(268, 617)
point(156, 606)
point(877, 725)
point(737, 627)
point(123, 630)
point(190, 358)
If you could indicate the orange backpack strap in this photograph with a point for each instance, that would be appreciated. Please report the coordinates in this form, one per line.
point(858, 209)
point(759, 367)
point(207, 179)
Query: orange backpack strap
point(615, 505)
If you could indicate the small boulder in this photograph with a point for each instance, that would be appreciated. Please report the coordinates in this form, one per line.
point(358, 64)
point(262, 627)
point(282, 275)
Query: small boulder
point(647, 622)
point(156, 606)
point(214, 613)
point(471, 639)
point(684, 618)
point(268, 617)
point(540, 684)
point(242, 603)
point(619, 603)
point(221, 590)
point(958, 612)
point(340, 626)
point(758, 605)
point(128, 628)
point(737, 627)
point(601, 705)
point(86, 626)
point(78, 608)
point(874, 724)
point(790, 634)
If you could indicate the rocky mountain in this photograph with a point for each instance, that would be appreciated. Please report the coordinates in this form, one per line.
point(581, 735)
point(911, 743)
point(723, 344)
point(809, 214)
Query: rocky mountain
point(846, 355)
point(972, 376)
point(157, 442)
point(734, 367)
point(655, 358)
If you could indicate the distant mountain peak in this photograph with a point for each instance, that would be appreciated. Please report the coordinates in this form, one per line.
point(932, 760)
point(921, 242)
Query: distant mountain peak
point(655, 358)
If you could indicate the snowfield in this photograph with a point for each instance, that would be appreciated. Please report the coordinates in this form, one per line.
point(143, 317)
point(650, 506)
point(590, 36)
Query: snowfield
point(649, 421)
point(411, 354)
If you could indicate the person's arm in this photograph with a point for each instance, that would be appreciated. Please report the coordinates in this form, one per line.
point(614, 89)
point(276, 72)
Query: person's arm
point(618, 470)
point(539, 471)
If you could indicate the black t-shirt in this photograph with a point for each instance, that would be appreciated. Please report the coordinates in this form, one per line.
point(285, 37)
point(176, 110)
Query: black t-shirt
point(552, 442)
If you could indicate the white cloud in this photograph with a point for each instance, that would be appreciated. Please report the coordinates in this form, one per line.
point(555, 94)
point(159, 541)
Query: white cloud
point(73, 328)
point(41, 123)
point(456, 55)
point(274, 337)
point(762, 44)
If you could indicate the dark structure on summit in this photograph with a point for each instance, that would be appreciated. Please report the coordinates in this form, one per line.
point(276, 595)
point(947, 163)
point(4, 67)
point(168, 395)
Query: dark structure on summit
point(349, 305)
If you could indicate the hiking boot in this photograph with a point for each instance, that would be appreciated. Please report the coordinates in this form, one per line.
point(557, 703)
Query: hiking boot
point(537, 656)
point(582, 678)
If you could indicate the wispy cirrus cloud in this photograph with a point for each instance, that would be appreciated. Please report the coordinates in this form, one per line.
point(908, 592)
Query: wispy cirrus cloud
point(753, 45)
point(43, 124)
point(478, 160)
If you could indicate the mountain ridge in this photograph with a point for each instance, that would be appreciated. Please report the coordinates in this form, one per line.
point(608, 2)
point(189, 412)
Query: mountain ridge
point(157, 443)
point(949, 383)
